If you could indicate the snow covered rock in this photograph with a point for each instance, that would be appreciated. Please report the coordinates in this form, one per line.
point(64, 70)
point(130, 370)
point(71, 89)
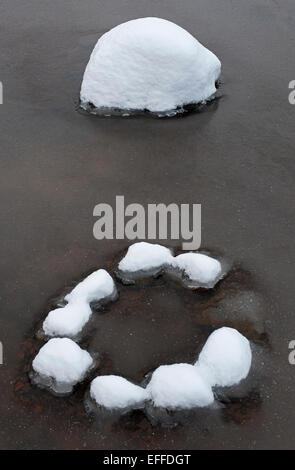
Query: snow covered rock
point(179, 386)
point(94, 287)
point(149, 63)
point(62, 360)
point(144, 256)
point(114, 392)
point(199, 267)
point(70, 320)
point(226, 358)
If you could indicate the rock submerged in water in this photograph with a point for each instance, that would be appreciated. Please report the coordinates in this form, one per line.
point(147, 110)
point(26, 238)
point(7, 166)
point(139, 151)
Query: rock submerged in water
point(149, 64)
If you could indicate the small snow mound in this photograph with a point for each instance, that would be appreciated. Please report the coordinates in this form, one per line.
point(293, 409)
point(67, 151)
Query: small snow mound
point(199, 267)
point(114, 392)
point(226, 358)
point(145, 256)
point(68, 320)
point(62, 360)
point(179, 386)
point(149, 63)
point(94, 287)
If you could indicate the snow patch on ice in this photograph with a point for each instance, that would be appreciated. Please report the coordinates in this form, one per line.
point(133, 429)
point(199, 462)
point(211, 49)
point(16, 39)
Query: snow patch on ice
point(114, 392)
point(179, 386)
point(63, 362)
point(70, 320)
point(148, 64)
point(226, 358)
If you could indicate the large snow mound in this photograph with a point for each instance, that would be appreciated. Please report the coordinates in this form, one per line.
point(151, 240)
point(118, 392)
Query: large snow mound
point(149, 63)
point(145, 256)
point(70, 320)
point(225, 358)
point(62, 360)
point(179, 386)
point(198, 267)
point(112, 391)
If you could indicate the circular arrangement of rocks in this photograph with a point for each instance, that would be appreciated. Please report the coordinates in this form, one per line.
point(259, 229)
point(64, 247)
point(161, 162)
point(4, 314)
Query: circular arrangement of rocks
point(60, 364)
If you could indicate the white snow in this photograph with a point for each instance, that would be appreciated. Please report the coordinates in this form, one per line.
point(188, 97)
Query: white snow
point(112, 391)
point(145, 256)
point(198, 267)
point(67, 321)
point(179, 386)
point(70, 320)
point(62, 360)
point(149, 63)
point(96, 286)
point(226, 358)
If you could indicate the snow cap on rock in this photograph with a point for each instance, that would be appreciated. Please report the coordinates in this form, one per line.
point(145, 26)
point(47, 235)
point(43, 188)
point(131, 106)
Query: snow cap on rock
point(145, 256)
point(149, 63)
point(198, 267)
point(94, 287)
point(115, 392)
point(63, 360)
point(68, 320)
point(179, 386)
point(225, 358)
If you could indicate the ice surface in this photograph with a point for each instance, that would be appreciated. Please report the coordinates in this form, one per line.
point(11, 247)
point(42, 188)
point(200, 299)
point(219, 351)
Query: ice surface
point(225, 358)
point(149, 63)
point(62, 360)
point(199, 267)
point(179, 386)
point(145, 256)
point(70, 320)
point(112, 391)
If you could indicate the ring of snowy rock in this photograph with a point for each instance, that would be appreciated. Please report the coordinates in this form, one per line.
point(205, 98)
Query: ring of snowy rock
point(148, 64)
point(60, 364)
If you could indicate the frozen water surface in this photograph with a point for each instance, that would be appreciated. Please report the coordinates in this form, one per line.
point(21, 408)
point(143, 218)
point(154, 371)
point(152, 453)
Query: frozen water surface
point(236, 159)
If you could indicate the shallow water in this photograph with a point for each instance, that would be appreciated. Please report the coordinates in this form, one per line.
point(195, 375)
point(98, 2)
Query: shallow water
point(236, 159)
